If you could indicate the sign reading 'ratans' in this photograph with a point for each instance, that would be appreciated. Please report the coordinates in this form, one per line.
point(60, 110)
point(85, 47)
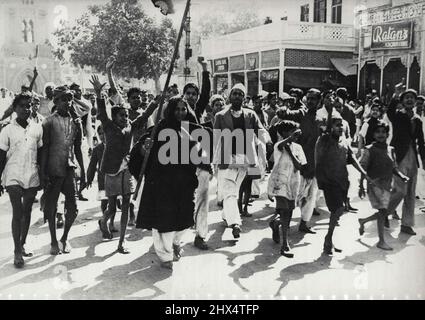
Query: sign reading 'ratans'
point(392, 36)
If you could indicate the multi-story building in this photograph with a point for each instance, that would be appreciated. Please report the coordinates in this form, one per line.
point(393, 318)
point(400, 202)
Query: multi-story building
point(392, 45)
point(311, 46)
point(26, 31)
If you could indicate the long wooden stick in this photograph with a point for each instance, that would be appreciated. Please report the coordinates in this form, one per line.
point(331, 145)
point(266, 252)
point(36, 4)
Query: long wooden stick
point(161, 101)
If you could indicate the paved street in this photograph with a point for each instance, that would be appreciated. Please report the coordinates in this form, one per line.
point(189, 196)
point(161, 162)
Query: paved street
point(249, 268)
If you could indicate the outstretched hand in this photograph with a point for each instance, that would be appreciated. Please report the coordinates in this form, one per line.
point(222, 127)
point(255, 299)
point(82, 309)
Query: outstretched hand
point(201, 60)
point(97, 85)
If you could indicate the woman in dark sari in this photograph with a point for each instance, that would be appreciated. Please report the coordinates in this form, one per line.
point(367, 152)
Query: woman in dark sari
point(167, 202)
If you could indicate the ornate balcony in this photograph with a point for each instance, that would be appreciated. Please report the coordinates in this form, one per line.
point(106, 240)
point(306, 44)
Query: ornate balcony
point(290, 34)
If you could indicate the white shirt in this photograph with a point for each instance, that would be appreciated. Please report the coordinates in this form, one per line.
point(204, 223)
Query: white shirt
point(21, 145)
point(5, 103)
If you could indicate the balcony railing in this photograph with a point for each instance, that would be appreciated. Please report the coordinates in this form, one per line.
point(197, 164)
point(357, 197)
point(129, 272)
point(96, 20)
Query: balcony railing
point(294, 34)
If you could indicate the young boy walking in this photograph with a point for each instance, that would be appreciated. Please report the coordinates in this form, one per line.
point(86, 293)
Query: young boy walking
point(378, 159)
point(332, 156)
point(62, 135)
point(20, 145)
point(118, 180)
point(285, 179)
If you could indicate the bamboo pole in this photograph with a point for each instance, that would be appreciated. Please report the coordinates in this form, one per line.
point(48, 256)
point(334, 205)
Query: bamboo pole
point(161, 101)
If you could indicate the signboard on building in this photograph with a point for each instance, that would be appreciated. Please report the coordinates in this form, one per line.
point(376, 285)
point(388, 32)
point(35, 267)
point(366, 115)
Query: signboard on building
point(221, 65)
point(270, 58)
point(399, 13)
point(237, 63)
point(252, 61)
point(269, 75)
point(392, 36)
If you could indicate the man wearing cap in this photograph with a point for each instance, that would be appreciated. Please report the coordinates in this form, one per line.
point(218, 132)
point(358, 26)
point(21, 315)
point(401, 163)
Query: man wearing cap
point(62, 135)
point(235, 152)
point(408, 141)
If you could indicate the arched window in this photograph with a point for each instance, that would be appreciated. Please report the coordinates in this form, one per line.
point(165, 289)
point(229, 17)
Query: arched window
point(30, 35)
point(25, 30)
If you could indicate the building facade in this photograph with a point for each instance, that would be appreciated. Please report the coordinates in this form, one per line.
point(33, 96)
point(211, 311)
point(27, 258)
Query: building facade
point(304, 49)
point(391, 47)
point(26, 34)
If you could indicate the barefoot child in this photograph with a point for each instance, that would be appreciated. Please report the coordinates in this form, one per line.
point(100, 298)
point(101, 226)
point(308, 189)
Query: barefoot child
point(94, 166)
point(332, 156)
point(62, 135)
point(284, 181)
point(118, 180)
point(378, 159)
point(20, 145)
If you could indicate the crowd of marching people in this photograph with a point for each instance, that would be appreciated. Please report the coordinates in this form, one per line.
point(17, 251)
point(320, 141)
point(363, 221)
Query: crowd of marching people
point(301, 143)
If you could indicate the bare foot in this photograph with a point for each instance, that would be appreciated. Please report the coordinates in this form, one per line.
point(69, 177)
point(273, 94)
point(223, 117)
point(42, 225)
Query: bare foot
point(167, 265)
point(384, 246)
point(18, 261)
point(66, 247)
point(54, 249)
point(112, 228)
point(26, 253)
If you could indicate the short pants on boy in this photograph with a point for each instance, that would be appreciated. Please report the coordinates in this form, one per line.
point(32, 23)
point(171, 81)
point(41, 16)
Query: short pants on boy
point(57, 185)
point(334, 196)
point(120, 184)
point(379, 198)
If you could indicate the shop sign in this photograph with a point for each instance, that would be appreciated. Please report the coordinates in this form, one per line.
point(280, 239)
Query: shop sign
point(252, 61)
point(221, 65)
point(237, 63)
point(269, 75)
point(392, 36)
point(402, 12)
point(270, 58)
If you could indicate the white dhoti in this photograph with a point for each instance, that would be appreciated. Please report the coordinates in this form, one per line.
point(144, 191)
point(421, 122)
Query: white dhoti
point(230, 181)
point(308, 197)
point(163, 243)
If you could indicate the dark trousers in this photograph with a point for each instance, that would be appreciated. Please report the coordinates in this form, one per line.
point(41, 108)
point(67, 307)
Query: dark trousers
point(56, 185)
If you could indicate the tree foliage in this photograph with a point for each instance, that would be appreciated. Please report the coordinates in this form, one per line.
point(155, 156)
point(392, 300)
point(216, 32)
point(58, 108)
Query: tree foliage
point(143, 48)
point(211, 25)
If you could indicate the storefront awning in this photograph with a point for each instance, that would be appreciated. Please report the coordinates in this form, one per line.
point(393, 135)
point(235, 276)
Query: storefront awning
point(347, 67)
